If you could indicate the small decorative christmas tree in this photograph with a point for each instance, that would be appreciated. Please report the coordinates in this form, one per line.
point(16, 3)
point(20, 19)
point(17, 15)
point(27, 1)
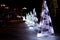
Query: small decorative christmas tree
point(45, 23)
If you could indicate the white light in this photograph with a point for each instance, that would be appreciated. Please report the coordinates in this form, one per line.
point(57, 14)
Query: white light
point(31, 21)
point(45, 21)
point(40, 35)
point(18, 16)
point(24, 8)
point(24, 18)
point(31, 28)
point(51, 30)
point(34, 12)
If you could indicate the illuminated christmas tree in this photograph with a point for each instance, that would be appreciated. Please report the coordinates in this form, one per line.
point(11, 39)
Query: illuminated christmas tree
point(45, 27)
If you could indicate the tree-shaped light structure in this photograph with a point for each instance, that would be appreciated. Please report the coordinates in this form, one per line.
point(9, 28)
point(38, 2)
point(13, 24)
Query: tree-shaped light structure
point(45, 25)
point(31, 19)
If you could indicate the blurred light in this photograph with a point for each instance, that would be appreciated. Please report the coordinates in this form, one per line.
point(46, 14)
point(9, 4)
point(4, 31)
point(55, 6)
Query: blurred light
point(18, 16)
point(51, 30)
point(3, 5)
point(14, 9)
point(6, 7)
point(44, 25)
point(29, 23)
point(24, 8)
point(24, 18)
point(42, 35)
point(31, 28)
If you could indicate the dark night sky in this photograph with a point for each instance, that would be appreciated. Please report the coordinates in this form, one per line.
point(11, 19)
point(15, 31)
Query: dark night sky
point(28, 3)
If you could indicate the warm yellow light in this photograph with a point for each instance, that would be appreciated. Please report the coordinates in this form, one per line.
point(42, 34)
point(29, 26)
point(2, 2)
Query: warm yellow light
point(6, 7)
point(14, 9)
point(3, 5)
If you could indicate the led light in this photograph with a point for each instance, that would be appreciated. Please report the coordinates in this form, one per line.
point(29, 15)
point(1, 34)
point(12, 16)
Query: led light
point(44, 25)
point(31, 28)
point(40, 35)
point(24, 18)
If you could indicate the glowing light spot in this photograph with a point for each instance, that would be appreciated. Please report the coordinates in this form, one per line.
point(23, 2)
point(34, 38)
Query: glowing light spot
point(31, 28)
point(41, 35)
point(18, 16)
point(24, 8)
point(24, 18)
